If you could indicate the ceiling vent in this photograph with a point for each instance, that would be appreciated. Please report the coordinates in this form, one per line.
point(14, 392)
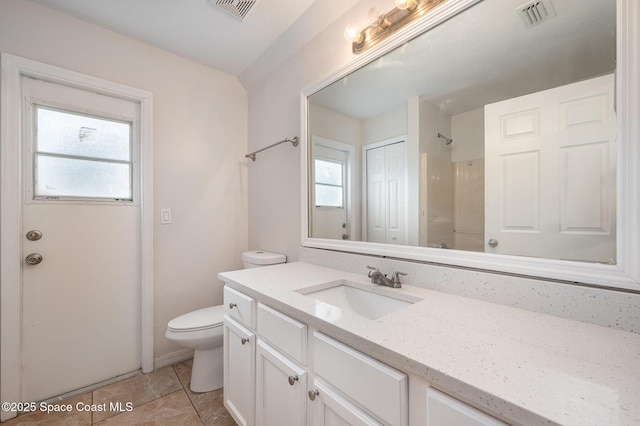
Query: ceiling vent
point(238, 8)
point(536, 12)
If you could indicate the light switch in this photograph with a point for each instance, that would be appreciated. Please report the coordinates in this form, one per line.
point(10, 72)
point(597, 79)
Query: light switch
point(165, 216)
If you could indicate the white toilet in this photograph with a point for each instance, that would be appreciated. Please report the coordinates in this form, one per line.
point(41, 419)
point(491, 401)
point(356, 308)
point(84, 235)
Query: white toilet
point(257, 258)
point(201, 330)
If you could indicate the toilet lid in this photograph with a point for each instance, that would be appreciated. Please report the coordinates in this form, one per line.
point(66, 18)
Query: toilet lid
point(198, 320)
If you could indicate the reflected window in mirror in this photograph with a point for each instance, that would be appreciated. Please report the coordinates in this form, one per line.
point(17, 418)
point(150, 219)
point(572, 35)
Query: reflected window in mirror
point(329, 183)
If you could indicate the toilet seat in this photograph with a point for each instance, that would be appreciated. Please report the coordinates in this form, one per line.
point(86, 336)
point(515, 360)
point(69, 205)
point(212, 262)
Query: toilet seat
point(202, 319)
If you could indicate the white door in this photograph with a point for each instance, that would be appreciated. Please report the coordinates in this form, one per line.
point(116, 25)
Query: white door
point(331, 201)
point(386, 174)
point(81, 320)
point(550, 173)
point(281, 388)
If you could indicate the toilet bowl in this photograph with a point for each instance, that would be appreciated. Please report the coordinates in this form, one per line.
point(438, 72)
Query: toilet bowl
point(201, 330)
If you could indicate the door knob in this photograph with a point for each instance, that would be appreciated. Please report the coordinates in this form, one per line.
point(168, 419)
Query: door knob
point(293, 380)
point(493, 242)
point(34, 235)
point(313, 393)
point(33, 259)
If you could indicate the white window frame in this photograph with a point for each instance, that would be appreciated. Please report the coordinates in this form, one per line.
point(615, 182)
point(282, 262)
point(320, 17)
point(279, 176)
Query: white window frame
point(344, 178)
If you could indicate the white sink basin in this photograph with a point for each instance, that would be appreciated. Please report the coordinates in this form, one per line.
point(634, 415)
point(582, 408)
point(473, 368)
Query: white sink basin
point(370, 303)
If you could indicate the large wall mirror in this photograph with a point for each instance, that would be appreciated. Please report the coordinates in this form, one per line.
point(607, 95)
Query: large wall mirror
point(489, 141)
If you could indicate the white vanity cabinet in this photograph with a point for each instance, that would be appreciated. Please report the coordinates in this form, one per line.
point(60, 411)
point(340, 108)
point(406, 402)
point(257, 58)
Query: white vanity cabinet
point(265, 381)
point(279, 371)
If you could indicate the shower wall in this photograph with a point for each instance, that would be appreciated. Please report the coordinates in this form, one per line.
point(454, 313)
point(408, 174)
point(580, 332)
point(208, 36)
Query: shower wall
point(439, 212)
point(468, 169)
point(436, 178)
point(468, 200)
point(452, 179)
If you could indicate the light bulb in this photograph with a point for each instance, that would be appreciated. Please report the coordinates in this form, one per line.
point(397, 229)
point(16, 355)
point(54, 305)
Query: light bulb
point(406, 4)
point(374, 13)
point(353, 35)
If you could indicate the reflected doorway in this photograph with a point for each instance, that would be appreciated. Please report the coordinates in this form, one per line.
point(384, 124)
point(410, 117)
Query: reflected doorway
point(331, 195)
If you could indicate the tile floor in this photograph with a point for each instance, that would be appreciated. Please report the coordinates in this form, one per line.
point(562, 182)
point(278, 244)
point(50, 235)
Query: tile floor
point(159, 398)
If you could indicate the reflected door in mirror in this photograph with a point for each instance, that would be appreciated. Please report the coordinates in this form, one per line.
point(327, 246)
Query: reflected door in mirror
point(550, 169)
point(386, 193)
point(330, 189)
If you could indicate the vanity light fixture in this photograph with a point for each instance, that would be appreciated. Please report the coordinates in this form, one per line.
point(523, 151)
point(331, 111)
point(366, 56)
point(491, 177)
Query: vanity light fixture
point(405, 12)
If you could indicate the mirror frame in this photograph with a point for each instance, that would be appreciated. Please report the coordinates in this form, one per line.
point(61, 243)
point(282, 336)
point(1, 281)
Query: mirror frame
point(625, 274)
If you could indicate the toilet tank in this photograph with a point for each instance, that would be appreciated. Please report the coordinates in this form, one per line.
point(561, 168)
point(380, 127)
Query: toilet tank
point(257, 258)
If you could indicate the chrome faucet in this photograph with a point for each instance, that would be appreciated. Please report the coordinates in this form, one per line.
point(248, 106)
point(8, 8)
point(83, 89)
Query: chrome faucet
point(378, 277)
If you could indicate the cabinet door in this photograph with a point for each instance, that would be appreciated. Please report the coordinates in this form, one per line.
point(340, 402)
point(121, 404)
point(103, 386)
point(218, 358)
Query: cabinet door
point(329, 408)
point(239, 372)
point(281, 387)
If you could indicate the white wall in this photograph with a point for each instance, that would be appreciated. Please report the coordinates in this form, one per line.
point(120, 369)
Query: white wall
point(200, 138)
point(274, 113)
point(387, 125)
point(467, 131)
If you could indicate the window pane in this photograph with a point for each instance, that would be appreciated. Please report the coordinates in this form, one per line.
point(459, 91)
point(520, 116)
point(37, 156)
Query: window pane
point(70, 177)
point(329, 196)
point(328, 172)
point(72, 134)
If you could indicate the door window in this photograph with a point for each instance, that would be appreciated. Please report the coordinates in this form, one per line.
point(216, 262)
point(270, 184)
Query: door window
point(78, 156)
point(329, 183)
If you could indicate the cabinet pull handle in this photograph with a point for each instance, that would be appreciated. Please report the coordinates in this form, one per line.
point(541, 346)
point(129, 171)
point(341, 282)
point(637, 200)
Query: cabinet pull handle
point(313, 393)
point(293, 380)
point(243, 340)
point(232, 305)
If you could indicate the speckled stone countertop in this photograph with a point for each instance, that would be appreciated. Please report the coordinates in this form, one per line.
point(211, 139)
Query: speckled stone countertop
point(524, 367)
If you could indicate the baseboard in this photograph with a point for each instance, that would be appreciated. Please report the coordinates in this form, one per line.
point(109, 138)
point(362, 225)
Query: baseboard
point(171, 358)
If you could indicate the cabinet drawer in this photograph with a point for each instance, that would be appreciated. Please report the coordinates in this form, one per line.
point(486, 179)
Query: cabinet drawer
point(240, 307)
point(443, 409)
point(287, 334)
point(375, 386)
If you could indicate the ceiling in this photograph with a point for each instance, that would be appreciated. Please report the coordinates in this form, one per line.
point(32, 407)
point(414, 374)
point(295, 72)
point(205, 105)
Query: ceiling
point(199, 31)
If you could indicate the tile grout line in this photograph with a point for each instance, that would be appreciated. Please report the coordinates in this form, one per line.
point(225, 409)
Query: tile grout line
point(184, 387)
